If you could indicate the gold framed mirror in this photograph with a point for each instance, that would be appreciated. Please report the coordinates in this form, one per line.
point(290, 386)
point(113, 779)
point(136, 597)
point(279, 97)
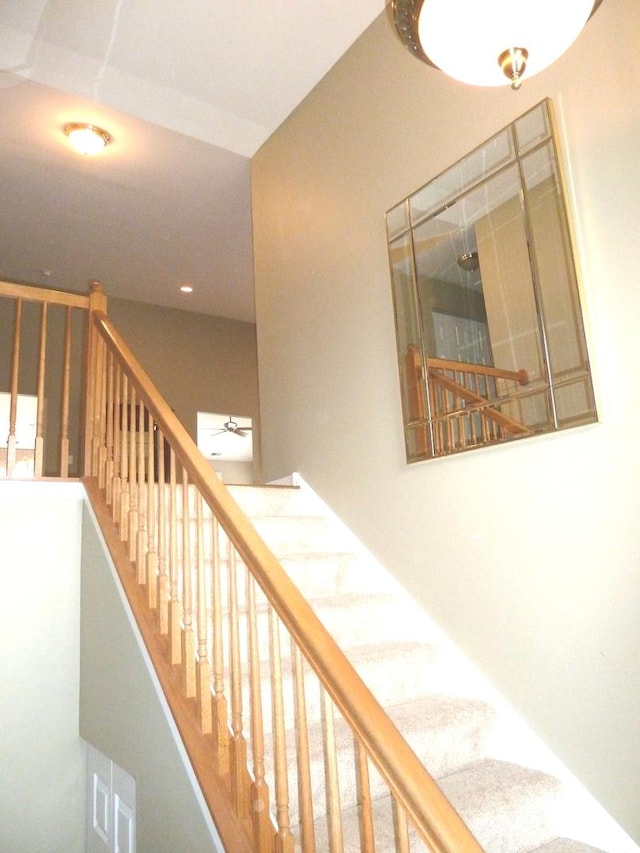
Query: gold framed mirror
point(489, 330)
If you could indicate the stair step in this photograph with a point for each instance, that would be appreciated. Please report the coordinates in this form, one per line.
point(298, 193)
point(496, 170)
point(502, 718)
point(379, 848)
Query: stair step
point(445, 733)
point(354, 619)
point(306, 535)
point(420, 674)
point(566, 845)
point(402, 657)
point(257, 501)
point(318, 574)
point(398, 672)
point(507, 807)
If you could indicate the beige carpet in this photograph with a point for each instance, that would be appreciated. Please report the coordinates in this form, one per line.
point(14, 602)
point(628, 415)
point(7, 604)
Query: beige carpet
point(497, 775)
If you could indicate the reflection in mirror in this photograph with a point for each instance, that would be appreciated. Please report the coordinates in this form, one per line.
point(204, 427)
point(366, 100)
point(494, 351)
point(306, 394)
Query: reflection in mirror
point(490, 337)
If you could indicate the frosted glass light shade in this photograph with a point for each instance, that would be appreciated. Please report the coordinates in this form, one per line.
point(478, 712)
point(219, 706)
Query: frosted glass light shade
point(465, 38)
point(87, 139)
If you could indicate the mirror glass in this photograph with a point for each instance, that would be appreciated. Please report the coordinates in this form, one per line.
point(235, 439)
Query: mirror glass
point(491, 343)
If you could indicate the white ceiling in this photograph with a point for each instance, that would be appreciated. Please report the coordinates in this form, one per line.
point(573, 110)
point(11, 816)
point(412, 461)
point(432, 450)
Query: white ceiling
point(189, 92)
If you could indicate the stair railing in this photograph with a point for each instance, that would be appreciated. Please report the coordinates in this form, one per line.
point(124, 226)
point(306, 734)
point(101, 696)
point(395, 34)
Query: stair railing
point(463, 405)
point(468, 403)
point(42, 358)
point(256, 684)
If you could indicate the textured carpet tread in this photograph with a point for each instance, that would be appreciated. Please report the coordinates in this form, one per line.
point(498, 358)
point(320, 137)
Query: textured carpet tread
point(566, 845)
point(508, 808)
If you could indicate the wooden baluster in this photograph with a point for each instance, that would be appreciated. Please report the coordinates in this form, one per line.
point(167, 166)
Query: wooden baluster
point(434, 395)
point(141, 532)
point(132, 520)
point(305, 791)
point(97, 304)
point(203, 690)
point(332, 782)
point(400, 827)
point(188, 635)
point(96, 348)
point(163, 577)
point(125, 489)
point(470, 433)
point(238, 747)
point(109, 433)
point(439, 409)
point(464, 425)
point(483, 427)
point(284, 838)
point(497, 429)
point(473, 416)
point(454, 426)
point(464, 420)
point(220, 709)
point(262, 828)
point(445, 420)
point(64, 401)
point(13, 400)
point(116, 488)
point(175, 604)
point(365, 805)
point(101, 408)
point(152, 552)
point(38, 465)
point(480, 418)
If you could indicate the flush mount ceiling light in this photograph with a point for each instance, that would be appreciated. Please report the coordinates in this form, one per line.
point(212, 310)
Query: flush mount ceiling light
point(469, 262)
point(492, 42)
point(87, 138)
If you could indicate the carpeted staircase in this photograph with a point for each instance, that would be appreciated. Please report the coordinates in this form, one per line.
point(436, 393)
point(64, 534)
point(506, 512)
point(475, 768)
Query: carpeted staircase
point(511, 792)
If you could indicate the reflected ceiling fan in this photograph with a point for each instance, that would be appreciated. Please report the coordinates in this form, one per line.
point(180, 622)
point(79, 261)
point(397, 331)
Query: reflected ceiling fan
point(233, 427)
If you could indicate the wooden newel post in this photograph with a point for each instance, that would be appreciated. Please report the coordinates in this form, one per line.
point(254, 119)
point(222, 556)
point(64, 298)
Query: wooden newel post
point(97, 305)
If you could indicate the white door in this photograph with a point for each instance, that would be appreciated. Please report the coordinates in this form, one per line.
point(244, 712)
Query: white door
point(111, 806)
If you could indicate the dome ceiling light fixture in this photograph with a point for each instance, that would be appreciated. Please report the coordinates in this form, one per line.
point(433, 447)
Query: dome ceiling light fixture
point(492, 42)
point(469, 261)
point(87, 138)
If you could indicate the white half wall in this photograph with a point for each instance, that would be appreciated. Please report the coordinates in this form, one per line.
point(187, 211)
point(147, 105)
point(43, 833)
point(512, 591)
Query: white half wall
point(42, 757)
point(527, 554)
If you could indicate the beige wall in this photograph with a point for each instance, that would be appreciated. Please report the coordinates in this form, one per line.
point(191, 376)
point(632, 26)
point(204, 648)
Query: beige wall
point(199, 363)
point(123, 715)
point(528, 554)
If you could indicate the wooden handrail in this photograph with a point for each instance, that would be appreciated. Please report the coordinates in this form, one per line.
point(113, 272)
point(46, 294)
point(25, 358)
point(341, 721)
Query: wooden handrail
point(41, 294)
point(453, 405)
point(519, 376)
point(482, 405)
point(56, 310)
point(413, 787)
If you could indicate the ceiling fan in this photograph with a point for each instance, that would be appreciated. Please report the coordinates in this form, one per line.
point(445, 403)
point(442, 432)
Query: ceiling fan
point(233, 427)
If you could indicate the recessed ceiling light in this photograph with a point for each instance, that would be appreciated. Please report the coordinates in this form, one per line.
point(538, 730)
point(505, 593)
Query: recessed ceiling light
point(87, 138)
point(186, 288)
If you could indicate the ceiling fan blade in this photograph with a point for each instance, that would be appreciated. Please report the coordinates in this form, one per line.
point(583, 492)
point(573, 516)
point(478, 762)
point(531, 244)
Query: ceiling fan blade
point(241, 432)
